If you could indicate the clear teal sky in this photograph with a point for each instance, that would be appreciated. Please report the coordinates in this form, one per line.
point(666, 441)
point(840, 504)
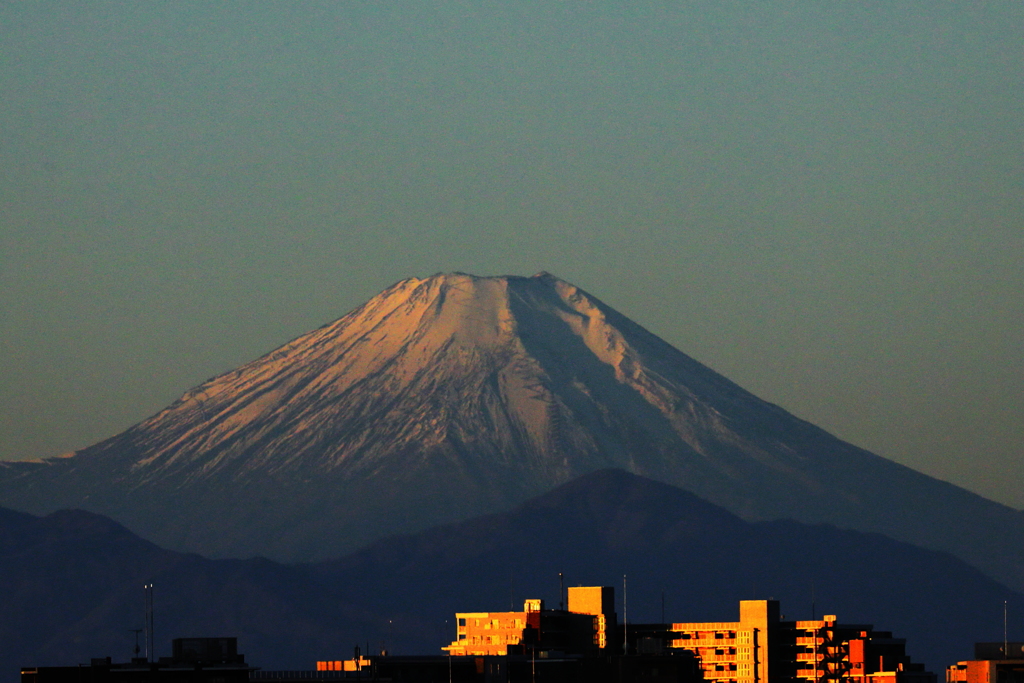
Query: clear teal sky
point(823, 201)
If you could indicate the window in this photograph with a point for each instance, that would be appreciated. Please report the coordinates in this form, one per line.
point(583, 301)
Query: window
point(462, 621)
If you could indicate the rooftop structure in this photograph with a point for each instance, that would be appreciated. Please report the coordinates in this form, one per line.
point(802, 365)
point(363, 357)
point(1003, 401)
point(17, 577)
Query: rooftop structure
point(195, 660)
point(992, 663)
point(581, 629)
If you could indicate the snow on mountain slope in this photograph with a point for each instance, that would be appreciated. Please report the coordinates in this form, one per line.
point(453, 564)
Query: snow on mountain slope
point(456, 395)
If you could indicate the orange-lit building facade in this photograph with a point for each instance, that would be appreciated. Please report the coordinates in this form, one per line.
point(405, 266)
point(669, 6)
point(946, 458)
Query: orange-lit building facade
point(583, 628)
point(599, 603)
point(741, 651)
point(761, 648)
point(356, 664)
point(992, 663)
point(828, 651)
point(986, 671)
point(491, 633)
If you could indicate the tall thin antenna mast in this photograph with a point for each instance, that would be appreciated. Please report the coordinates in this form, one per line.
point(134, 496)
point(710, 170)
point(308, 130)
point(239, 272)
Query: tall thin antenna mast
point(145, 620)
point(150, 642)
point(625, 628)
point(561, 591)
point(1006, 645)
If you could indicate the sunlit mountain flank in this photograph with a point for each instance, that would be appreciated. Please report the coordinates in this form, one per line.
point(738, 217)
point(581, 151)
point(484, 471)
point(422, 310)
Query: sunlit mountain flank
point(454, 395)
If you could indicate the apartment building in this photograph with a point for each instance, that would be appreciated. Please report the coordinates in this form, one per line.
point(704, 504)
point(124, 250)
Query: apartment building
point(749, 650)
point(829, 651)
point(584, 628)
point(761, 648)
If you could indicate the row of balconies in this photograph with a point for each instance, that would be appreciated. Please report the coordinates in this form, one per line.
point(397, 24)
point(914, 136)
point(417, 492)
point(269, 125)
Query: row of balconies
point(808, 640)
point(704, 642)
point(821, 656)
point(720, 673)
point(489, 640)
point(494, 625)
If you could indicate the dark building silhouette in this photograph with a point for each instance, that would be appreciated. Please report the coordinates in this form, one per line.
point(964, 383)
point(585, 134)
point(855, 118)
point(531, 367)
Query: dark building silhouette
point(193, 660)
point(535, 667)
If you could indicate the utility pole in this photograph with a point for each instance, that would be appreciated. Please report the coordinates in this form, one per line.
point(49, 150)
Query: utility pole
point(150, 640)
point(1006, 644)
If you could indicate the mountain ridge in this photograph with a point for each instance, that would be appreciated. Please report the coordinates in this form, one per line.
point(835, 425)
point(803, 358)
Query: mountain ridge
point(74, 579)
point(449, 396)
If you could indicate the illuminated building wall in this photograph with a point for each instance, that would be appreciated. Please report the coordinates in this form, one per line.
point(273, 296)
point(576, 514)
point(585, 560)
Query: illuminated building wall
point(992, 663)
point(761, 648)
point(598, 601)
point(829, 651)
point(585, 627)
point(490, 633)
point(735, 651)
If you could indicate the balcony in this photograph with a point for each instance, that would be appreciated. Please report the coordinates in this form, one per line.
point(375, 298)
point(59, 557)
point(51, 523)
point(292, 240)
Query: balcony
point(706, 642)
point(809, 656)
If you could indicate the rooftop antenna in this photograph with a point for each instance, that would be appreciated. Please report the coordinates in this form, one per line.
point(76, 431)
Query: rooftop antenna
point(1006, 645)
point(561, 591)
point(813, 605)
point(663, 607)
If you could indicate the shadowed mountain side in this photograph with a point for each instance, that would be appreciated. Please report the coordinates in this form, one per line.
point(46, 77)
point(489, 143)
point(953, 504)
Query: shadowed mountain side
point(73, 580)
point(73, 588)
point(701, 557)
point(447, 397)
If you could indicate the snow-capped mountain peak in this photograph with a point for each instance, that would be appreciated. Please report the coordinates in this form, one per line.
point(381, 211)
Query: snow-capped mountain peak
point(454, 395)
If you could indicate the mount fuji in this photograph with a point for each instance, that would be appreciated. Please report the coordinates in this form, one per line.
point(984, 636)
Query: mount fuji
point(454, 395)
